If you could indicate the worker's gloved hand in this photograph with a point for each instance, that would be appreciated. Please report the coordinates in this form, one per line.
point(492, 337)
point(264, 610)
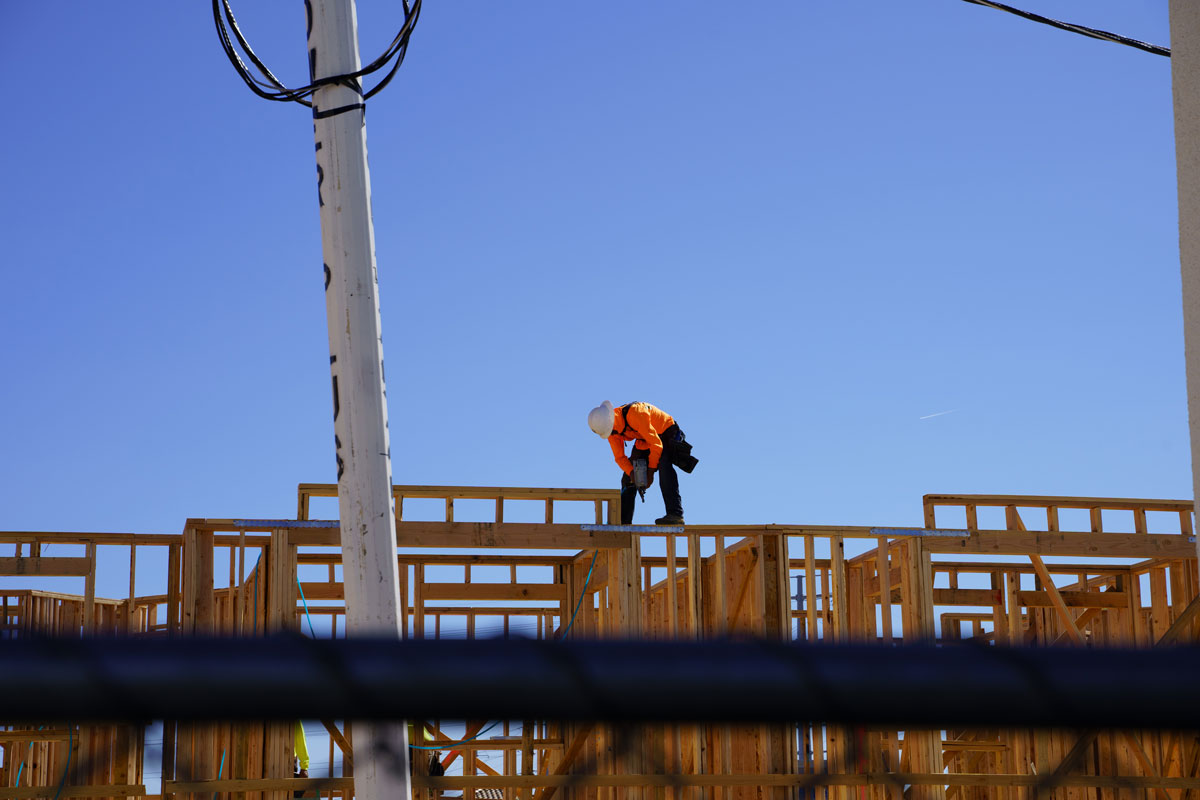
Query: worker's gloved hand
point(650, 477)
point(626, 480)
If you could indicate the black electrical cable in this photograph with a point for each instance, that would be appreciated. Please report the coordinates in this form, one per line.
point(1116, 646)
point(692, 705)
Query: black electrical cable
point(237, 32)
point(235, 59)
point(1094, 33)
point(266, 85)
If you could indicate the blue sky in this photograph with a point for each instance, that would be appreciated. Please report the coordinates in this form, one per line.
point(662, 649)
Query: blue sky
point(800, 227)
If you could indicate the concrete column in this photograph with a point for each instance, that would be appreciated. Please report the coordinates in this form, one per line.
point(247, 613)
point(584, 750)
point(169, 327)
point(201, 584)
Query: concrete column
point(363, 450)
point(1185, 85)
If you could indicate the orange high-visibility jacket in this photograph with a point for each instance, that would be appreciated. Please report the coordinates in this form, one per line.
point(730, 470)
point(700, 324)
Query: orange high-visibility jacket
point(642, 426)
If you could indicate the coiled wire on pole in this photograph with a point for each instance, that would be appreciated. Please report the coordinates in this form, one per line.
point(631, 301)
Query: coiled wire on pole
point(267, 86)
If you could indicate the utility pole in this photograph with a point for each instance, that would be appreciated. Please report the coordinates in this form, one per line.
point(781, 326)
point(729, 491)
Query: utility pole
point(1185, 86)
point(364, 467)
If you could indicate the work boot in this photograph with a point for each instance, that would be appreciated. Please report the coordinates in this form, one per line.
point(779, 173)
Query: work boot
point(669, 519)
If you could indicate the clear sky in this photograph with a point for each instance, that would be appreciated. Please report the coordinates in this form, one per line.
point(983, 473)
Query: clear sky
point(805, 228)
point(862, 250)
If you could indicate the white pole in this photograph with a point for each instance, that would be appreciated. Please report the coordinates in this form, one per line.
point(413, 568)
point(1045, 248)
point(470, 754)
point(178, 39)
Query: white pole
point(368, 527)
point(1185, 84)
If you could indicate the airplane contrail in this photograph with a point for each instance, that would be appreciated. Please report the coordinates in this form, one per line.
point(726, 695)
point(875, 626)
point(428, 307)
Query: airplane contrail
point(938, 414)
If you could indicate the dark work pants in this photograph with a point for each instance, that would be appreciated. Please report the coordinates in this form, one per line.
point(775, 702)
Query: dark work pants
point(668, 484)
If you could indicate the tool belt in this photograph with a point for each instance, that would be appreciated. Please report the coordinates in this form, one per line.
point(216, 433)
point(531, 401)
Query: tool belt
point(679, 449)
point(675, 447)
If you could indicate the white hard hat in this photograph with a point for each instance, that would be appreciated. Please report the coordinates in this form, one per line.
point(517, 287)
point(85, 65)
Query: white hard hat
point(600, 419)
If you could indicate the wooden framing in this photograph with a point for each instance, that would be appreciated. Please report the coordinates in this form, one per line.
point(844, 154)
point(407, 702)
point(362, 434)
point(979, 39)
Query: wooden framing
point(843, 583)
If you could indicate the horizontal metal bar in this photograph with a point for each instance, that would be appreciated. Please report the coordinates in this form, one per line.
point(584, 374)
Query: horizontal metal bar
point(286, 523)
point(894, 532)
point(632, 528)
point(713, 680)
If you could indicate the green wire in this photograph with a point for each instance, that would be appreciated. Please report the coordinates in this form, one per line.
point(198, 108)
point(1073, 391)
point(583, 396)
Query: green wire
point(582, 595)
point(66, 769)
point(447, 745)
point(17, 782)
point(306, 614)
point(220, 769)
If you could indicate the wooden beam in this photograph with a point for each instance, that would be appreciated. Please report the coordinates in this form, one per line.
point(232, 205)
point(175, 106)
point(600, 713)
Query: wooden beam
point(46, 735)
point(341, 741)
point(187, 609)
point(323, 590)
point(473, 492)
point(1186, 618)
point(483, 766)
point(1043, 501)
point(803, 780)
point(73, 537)
point(1060, 608)
point(743, 589)
point(124, 790)
point(16, 593)
point(202, 572)
point(1092, 600)
point(1147, 766)
point(473, 559)
point(960, 745)
point(1097, 569)
point(89, 592)
point(246, 785)
point(1113, 545)
point(496, 591)
point(45, 567)
point(471, 730)
point(281, 584)
point(810, 592)
point(517, 535)
point(127, 623)
point(883, 569)
point(1030, 599)
point(1086, 618)
point(174, 573)
point(837, 589)
point(564, 765)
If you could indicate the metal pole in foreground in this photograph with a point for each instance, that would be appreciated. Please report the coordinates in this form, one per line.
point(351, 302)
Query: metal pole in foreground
point(365, 504)
point(1185, 83)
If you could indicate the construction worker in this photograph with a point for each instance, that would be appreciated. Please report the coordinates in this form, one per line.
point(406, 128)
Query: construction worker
point(300, 753)
point(658, 446)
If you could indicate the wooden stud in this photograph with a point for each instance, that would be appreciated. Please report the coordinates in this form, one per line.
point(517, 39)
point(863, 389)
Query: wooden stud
point(173, 592)
point(810, 575)
point(1160, 617)
point(672, 583)
point(127, 622)
point(418, 601)
point(883, 568)
point(838, 602)
point(693, 585)
point(89, 593)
